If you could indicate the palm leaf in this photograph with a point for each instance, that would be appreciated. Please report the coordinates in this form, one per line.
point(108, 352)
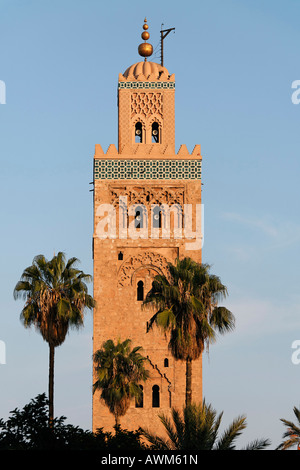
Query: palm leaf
point(197, 429)
point(119, 370)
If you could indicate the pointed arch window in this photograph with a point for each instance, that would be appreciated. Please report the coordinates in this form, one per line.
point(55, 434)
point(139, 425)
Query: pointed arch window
point(140, 291)
point(155, 396)
point(155, 132)
point(139, 218)
point(157, 217)
point(138, 133)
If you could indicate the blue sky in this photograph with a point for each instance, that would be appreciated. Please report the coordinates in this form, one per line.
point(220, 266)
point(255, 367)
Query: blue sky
point(234, 63)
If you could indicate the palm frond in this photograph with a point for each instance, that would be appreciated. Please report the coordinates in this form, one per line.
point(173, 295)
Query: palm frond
point(292, 434)
point(158, 443)
point(222, 319)
point(226, 441)
point(174, 430)
point(257, 444)
point(197, 429)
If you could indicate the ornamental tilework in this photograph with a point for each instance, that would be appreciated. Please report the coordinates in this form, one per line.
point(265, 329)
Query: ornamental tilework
point(106, 169)
point(146, 85)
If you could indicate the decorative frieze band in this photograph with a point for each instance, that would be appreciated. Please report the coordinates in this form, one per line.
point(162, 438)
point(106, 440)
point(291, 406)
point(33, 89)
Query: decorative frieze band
point(170, 85)
point(148, 195)
point(134, 169)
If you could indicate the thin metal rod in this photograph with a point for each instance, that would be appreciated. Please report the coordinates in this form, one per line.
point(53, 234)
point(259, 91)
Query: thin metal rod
point(163, 34)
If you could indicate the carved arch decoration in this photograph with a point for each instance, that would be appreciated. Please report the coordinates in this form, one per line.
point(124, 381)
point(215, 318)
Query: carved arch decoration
point(148, 260)
point(155, 119)
point(141, 120)
point(148, 195)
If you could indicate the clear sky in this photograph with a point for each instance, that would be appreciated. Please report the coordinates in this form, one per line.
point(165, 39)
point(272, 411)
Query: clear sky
point(234, 63)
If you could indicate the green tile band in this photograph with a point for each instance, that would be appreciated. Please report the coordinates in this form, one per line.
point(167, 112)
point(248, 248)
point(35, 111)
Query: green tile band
point(146, 85)
point(115, 169)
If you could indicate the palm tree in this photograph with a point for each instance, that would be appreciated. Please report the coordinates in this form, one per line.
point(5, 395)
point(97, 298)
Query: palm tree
point(197, 429)
point(186, 304)
point(119, 370)
point(292, 432)
point(56, 296)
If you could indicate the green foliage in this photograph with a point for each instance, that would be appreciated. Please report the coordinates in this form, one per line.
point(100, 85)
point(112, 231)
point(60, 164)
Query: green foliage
point(292, 434)
point(119, 371)
point(197, 429)
point(185, 302)
point(28, 429)
point(186, 305)
point(55, 294)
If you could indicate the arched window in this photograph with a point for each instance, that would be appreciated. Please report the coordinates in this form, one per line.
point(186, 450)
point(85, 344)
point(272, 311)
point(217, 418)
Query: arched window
point(156, 217)
point(155, 396)
point(139, 220)
point(120, 255)
point(155, 133)
point(139, 402)
point(166, 362)
point(138, 133)
point(140, 291)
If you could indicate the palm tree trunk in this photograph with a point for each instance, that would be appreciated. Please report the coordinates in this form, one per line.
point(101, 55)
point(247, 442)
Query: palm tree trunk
point(117, 421)
point(188, 389)
point(51, 384)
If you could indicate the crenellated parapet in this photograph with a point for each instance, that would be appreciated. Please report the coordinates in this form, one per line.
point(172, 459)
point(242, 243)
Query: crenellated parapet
point(147, 149)
point(147, 162)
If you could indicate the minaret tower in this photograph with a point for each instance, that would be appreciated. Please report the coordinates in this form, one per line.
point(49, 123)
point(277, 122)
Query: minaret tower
point(146, 213)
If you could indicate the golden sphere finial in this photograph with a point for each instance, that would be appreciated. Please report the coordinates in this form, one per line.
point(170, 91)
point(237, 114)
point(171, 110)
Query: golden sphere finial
point(145, 49)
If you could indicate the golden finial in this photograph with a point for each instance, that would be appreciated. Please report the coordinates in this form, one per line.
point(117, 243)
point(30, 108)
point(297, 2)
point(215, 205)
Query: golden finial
point(145, 49)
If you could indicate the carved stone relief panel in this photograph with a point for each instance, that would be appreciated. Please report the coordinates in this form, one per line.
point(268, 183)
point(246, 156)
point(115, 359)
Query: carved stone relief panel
point(148, 195)
point(153, 261)
point(146, 104)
